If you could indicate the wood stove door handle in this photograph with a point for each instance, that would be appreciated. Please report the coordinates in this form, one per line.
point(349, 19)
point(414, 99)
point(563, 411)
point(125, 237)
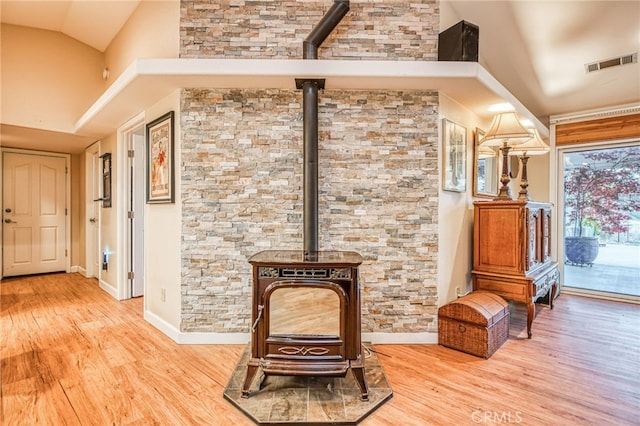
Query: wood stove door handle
point(255, 324)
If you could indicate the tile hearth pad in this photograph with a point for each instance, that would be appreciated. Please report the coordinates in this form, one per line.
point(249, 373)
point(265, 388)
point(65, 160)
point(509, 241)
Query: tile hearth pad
point(301, 400)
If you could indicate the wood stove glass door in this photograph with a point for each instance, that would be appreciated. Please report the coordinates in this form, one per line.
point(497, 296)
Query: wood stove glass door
point(304, 310)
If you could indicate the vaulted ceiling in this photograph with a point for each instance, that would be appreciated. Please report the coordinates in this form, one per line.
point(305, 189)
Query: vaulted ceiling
point(94, 23)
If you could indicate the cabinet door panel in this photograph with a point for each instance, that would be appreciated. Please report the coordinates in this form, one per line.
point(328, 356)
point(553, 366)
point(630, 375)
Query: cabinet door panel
point(498, 241)
point(546, 236)
point(534, 227)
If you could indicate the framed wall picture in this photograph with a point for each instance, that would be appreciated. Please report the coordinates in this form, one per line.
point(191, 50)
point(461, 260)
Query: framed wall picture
point(160, 172)
point(485, 168)
point(106, 179)
point(454, 154)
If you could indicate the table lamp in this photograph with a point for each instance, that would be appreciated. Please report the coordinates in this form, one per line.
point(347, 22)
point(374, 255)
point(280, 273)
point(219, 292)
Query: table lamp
point(505, 132)
point(534, 146)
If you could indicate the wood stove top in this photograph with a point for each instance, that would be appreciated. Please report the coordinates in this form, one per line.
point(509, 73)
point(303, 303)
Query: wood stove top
point(320, 258)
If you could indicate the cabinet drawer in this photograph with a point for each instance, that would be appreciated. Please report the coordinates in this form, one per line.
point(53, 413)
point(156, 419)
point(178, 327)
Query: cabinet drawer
point(543, 283)
point(509, 290)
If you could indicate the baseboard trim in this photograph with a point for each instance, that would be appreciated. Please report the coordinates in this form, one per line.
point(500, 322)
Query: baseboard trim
point(195, 338)
point(106, 287)
point(162, 325)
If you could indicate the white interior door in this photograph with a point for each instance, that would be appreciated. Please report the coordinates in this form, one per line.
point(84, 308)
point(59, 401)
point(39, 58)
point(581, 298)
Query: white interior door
point(93, 178)
point(34, 214)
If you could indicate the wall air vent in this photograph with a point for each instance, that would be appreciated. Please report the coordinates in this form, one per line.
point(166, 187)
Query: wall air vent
point(613, 62)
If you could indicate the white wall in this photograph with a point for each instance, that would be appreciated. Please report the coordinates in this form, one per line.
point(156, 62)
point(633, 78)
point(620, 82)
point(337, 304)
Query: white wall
point(162, 235)
point(152, 31)
point(162, 239)
point(455, 212)
point(109, 221)
point(48, 79)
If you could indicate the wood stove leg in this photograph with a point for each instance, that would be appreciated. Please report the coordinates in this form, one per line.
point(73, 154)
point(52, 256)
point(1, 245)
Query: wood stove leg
point(252, 369)
point(358, 374)
point(531, 312)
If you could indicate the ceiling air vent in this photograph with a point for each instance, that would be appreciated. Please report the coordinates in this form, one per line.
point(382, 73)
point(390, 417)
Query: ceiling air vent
point(613, 62)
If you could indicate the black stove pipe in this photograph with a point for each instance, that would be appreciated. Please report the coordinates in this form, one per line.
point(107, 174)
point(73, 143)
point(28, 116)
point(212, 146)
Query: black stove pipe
point(310, 124)
point(310, 165)
point(322, 30)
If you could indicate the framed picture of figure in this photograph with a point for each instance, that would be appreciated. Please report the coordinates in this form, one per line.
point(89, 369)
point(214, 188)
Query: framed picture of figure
point(160, 167)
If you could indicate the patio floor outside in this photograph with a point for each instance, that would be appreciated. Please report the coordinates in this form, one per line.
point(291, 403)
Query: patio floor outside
point(615, 270)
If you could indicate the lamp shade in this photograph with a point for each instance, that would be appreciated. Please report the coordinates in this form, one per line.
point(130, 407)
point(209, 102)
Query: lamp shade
point(505, 128)
point(534, 146)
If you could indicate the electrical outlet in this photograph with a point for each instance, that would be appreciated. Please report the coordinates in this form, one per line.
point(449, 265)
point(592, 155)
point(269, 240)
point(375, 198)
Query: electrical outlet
point(163, 295)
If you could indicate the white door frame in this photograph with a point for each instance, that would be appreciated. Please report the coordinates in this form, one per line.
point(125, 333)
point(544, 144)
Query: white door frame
point(125, 133)
point(92, 248)
point(67, 203)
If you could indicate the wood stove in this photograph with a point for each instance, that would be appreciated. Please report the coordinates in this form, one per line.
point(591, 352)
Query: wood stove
point(285, 281)
point(286, 284)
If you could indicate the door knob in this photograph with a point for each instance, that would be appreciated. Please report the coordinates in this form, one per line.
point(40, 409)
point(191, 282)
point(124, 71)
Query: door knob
point(92, 220)
point(9, 221)
point(8, 210)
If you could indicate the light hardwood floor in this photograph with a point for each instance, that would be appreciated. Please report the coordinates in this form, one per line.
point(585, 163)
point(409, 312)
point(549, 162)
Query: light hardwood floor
point(71, 355)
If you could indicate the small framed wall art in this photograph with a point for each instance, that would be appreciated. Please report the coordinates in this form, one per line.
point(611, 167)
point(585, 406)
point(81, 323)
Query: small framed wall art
point(485, 168)
point(454, 156)
point(160, 171)
point(106, 180)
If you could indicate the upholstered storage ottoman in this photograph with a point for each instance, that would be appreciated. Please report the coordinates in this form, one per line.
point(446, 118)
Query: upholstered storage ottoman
point(477, 323)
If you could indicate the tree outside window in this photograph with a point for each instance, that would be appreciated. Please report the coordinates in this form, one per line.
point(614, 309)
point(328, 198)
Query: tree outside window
point(602, 192)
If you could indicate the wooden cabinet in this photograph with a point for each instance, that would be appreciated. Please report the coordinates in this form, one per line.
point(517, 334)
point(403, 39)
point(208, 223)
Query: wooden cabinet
point(512, 252)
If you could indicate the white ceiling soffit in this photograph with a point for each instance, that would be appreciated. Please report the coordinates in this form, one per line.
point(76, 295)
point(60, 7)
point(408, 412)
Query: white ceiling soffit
point(42, 140)
point(94, 23)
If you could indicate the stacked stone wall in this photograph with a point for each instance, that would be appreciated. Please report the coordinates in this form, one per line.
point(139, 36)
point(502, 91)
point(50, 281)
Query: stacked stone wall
point(242, 193)
point(274, 29)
